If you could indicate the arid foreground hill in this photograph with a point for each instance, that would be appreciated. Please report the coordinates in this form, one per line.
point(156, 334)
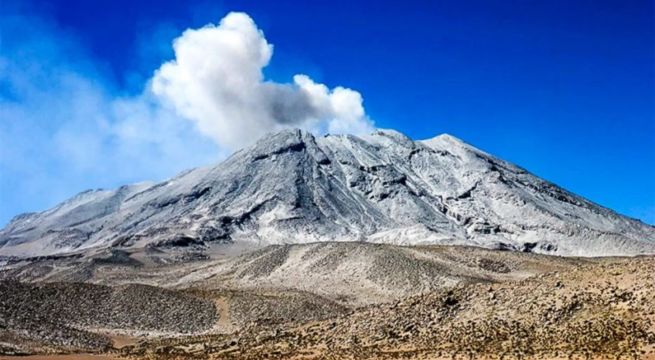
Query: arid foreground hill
point(600, 311)
point(471, 303)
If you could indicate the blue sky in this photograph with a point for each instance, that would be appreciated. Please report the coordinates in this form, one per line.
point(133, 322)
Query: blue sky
point(565, 89)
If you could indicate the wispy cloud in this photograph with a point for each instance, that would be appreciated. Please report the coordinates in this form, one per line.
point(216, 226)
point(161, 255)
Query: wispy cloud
point(63, 129)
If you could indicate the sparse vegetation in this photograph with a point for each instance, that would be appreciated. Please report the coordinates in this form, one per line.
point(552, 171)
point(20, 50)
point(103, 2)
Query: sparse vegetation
point(494, 305)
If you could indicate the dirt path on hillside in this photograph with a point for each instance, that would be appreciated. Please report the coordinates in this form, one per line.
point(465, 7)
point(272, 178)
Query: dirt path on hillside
point(224, 323)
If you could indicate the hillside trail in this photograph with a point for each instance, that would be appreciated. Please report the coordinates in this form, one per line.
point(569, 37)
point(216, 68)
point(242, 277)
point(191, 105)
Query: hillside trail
point(224, 323)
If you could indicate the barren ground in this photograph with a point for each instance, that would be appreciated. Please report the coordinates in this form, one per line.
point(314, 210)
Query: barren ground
point(470, 303)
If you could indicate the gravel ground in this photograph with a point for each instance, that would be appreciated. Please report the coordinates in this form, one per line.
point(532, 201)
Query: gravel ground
point(598, 311)
point(64, 315)
point(352, 300)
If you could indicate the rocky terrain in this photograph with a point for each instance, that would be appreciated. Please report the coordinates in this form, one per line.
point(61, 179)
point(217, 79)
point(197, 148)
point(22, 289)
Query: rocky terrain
point(330, 300)
point(604, 310)
point(294, 187)
point(73, 316)
point(351, 274)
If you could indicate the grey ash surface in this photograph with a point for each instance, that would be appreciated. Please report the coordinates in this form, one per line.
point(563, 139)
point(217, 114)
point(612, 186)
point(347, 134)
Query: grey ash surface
point(294, 187)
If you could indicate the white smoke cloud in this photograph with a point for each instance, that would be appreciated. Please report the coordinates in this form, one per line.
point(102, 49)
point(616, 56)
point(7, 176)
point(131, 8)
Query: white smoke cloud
point(216, 81)
point(66, 127)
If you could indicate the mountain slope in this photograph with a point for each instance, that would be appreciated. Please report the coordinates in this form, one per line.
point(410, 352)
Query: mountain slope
point(348, 273)
point(293, 187)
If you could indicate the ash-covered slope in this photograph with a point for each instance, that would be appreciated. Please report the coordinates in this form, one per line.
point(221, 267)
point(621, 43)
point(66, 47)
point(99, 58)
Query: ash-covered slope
point(292, 187)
